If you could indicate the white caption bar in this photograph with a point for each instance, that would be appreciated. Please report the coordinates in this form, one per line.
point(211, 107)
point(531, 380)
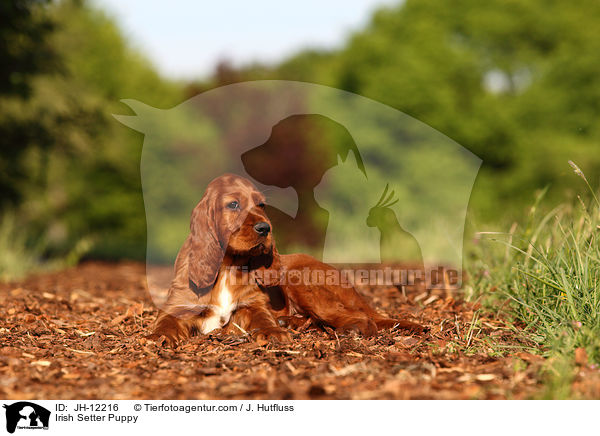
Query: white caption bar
point(265, 417)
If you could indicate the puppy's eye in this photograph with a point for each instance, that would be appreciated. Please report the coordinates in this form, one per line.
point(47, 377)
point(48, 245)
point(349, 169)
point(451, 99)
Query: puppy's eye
point(234, 205)
point(261, 205)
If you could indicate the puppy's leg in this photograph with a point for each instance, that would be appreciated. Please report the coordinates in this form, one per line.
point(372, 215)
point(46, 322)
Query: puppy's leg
point(343, 308)
point(256, 320)
point(329, 305)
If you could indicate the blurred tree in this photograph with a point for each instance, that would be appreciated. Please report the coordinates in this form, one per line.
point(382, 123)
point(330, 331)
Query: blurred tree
point(25, 54)
point(517, 83)
point(24, 49)
point(71, 169)
point(95, 177)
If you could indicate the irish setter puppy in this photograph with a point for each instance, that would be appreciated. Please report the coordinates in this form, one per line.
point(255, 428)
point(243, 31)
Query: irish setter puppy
point(228, 274)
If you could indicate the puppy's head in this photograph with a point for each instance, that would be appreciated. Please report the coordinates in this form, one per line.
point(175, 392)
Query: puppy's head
point(229, 219)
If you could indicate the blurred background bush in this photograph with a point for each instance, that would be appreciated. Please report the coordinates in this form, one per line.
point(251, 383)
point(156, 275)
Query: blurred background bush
point(517, 83)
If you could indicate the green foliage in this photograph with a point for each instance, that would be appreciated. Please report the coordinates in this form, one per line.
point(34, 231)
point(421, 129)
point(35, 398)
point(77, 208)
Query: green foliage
point(24, 50)
point(24, 54)
point(517, 83)
point(77, 169)
point(97, 174)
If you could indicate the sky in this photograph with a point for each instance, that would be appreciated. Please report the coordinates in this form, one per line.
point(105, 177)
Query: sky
point(185, 38)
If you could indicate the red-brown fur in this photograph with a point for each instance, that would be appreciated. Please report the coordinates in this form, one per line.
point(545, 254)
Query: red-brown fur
point(221, 238)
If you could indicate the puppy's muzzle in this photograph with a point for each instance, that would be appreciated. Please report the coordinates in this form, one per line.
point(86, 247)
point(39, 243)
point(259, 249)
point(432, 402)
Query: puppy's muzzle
point(263, 228)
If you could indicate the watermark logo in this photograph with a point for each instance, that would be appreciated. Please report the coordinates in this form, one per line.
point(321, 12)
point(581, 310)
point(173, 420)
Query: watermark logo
point(440, 277)
point(25, 415)
point(348, 180)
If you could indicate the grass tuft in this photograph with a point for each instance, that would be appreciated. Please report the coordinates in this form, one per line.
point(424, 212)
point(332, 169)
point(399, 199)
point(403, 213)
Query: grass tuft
point(18, 255)
point(550, 277)
point(21, 254)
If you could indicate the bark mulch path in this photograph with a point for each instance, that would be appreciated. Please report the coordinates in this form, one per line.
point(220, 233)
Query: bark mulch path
point(80, 334)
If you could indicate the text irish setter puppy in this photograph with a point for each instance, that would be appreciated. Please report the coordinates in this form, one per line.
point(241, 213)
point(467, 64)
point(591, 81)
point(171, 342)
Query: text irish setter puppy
point(229, 275)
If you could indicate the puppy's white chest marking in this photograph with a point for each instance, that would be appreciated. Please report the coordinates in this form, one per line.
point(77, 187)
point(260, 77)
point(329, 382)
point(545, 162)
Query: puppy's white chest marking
point(222, 309)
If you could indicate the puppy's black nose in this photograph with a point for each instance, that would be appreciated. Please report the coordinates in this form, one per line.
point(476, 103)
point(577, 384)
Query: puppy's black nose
point(262, 228)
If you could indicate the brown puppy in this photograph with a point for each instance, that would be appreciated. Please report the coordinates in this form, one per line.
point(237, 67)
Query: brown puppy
point(229, 275)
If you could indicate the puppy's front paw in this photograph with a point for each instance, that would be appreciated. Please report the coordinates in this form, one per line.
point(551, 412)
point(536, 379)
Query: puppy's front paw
point(168, 331)
point(270, 334)
point(164, 338)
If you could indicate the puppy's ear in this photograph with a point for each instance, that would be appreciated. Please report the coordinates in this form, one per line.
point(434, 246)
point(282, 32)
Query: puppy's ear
point(206, 253)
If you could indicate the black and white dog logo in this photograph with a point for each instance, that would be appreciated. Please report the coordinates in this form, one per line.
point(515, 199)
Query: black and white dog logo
point(26, 415)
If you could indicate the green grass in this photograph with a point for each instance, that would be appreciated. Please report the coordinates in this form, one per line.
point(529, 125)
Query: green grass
point(21, 254)
point(546, 277)
point(18, 256)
